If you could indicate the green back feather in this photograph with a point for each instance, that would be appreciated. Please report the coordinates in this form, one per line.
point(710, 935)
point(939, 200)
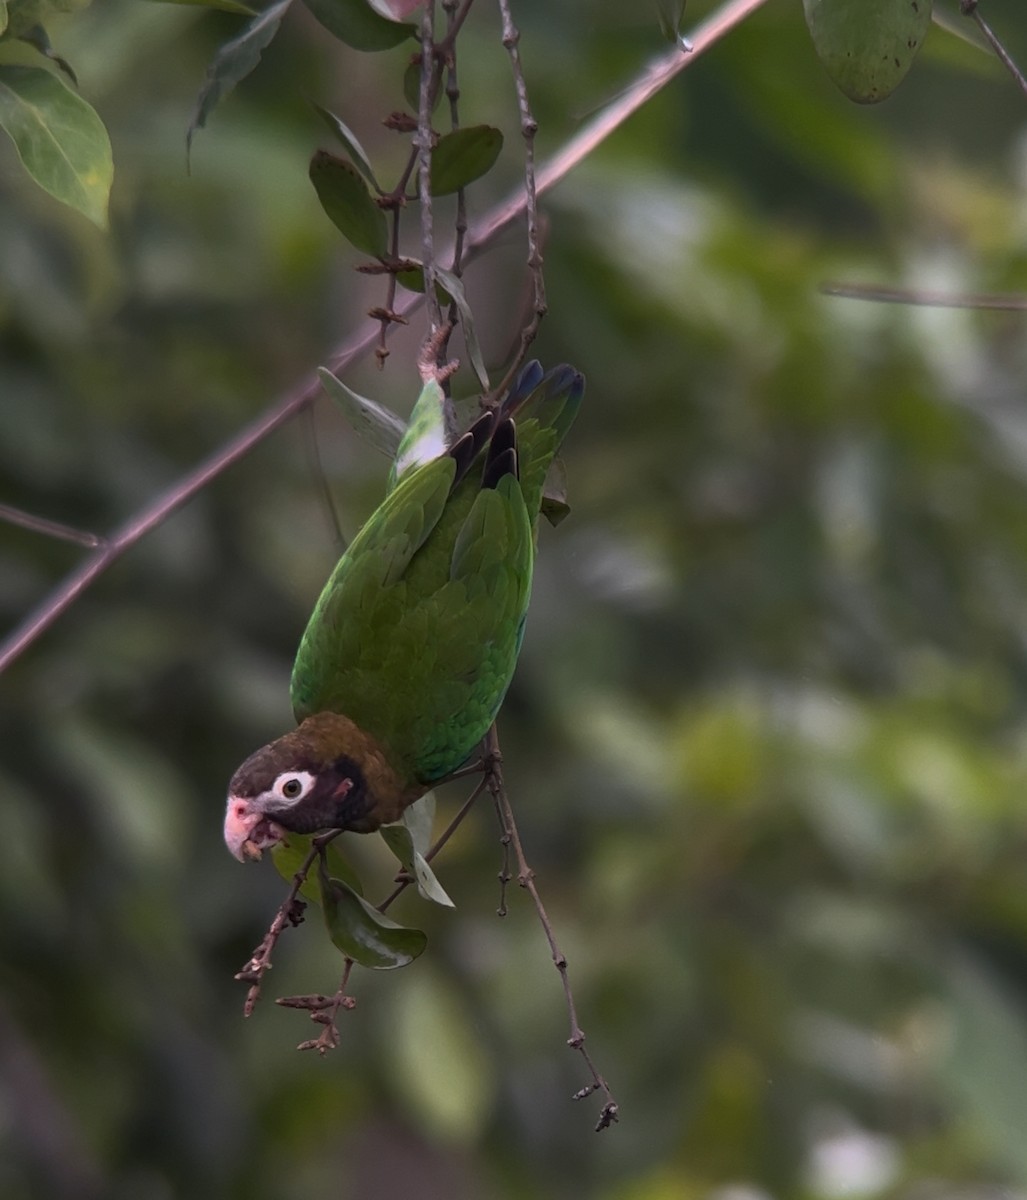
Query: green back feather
point(416, 633)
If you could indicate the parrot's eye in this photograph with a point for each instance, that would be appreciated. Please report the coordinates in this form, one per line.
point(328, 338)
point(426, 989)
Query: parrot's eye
point(293, 786)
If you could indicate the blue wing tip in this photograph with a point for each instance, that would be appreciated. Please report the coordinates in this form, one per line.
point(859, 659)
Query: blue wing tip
point(526, 382)
point(560, 380)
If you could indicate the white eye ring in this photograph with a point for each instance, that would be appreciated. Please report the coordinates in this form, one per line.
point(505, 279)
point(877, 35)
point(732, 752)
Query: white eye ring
point(292, 786)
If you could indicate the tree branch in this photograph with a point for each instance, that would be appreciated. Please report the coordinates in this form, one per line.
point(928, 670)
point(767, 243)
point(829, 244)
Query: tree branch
point(969, 9)
point(654, 77)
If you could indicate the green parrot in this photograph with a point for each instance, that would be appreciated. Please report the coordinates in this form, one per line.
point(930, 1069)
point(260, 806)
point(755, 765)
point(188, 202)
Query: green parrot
point(413, 642)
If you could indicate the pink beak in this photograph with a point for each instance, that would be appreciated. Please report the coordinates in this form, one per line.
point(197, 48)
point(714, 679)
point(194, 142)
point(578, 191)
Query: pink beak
point(248, 833)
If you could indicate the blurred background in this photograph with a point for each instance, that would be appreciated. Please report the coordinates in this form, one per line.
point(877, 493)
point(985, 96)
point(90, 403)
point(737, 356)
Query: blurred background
point(768, 739)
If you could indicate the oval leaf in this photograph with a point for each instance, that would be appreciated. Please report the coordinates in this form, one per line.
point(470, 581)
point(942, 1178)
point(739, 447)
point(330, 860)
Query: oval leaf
point(454, 285)
point(363, 933)
point(419, 818)
point(412, 87)
point(60, 140)
point(351, 145)
point(400, 841)
point(358, 25)
point(234, 61)
point(375, 424)
point(346, 200)
point(462, 156)
point(867, 46)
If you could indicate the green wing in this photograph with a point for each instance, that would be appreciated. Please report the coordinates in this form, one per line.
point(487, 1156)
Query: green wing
point(416, 634)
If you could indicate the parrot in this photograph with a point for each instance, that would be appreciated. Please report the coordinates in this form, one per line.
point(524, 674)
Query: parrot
point(413, 642)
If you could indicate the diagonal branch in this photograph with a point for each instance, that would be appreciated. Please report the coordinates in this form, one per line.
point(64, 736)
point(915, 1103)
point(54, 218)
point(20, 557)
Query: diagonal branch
point(650, 81)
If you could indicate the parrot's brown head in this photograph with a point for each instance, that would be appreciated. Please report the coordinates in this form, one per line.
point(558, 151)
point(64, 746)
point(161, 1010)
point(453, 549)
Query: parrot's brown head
point(326, 774)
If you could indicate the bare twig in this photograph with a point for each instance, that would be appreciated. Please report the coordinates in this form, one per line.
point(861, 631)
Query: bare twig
point(1009, 302)
point(529, 127)
point(448, 48)
point(969, 8)
point(608, 1115)
point(328, 1013)
point(654, 77)
point(425, 145)
point(54, 529)
point(324, 1010)
point(460, 13)
point(290, 912)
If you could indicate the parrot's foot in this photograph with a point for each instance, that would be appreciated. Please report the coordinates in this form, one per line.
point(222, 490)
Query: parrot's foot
point(434, 348)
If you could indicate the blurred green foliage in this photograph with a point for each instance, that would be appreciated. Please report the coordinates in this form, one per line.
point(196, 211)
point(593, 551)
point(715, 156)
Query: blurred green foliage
point(767, 742)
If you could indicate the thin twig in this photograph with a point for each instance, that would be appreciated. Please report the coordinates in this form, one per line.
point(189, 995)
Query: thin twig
point(425, 145)
point(526, 879)
point(448, 48)
point(54, 529)
point(654, 77)
point(529, 128)
point(1006, 302)
point(969, 9)
point(328, 1015)
point(325, 1009)
point(290, 912)
point(455, 25)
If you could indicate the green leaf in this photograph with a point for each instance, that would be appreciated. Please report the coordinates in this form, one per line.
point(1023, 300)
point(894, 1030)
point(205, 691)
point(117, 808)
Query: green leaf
point(400, 841)
point(229, 6)
point(462, 156)
point(3, 17)
point(363, 933)
point(412, 87)
point(233, 62)
point(358, 25)
point(413, 280)
point(554, 505)
point(419, 818)
point(375, 424)
point(454, 285)
point(345, 198)
point(867, 46)
point(37, 38)
point(23, 15)
point(59, 138)
point(289, 856)
point(350, 143)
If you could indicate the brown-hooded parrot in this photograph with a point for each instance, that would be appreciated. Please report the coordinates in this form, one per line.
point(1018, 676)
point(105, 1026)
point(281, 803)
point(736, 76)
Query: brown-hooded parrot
point(411, 647)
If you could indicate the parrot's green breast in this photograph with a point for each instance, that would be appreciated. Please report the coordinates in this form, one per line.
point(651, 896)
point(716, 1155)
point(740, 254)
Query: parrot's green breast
point(416, 634)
